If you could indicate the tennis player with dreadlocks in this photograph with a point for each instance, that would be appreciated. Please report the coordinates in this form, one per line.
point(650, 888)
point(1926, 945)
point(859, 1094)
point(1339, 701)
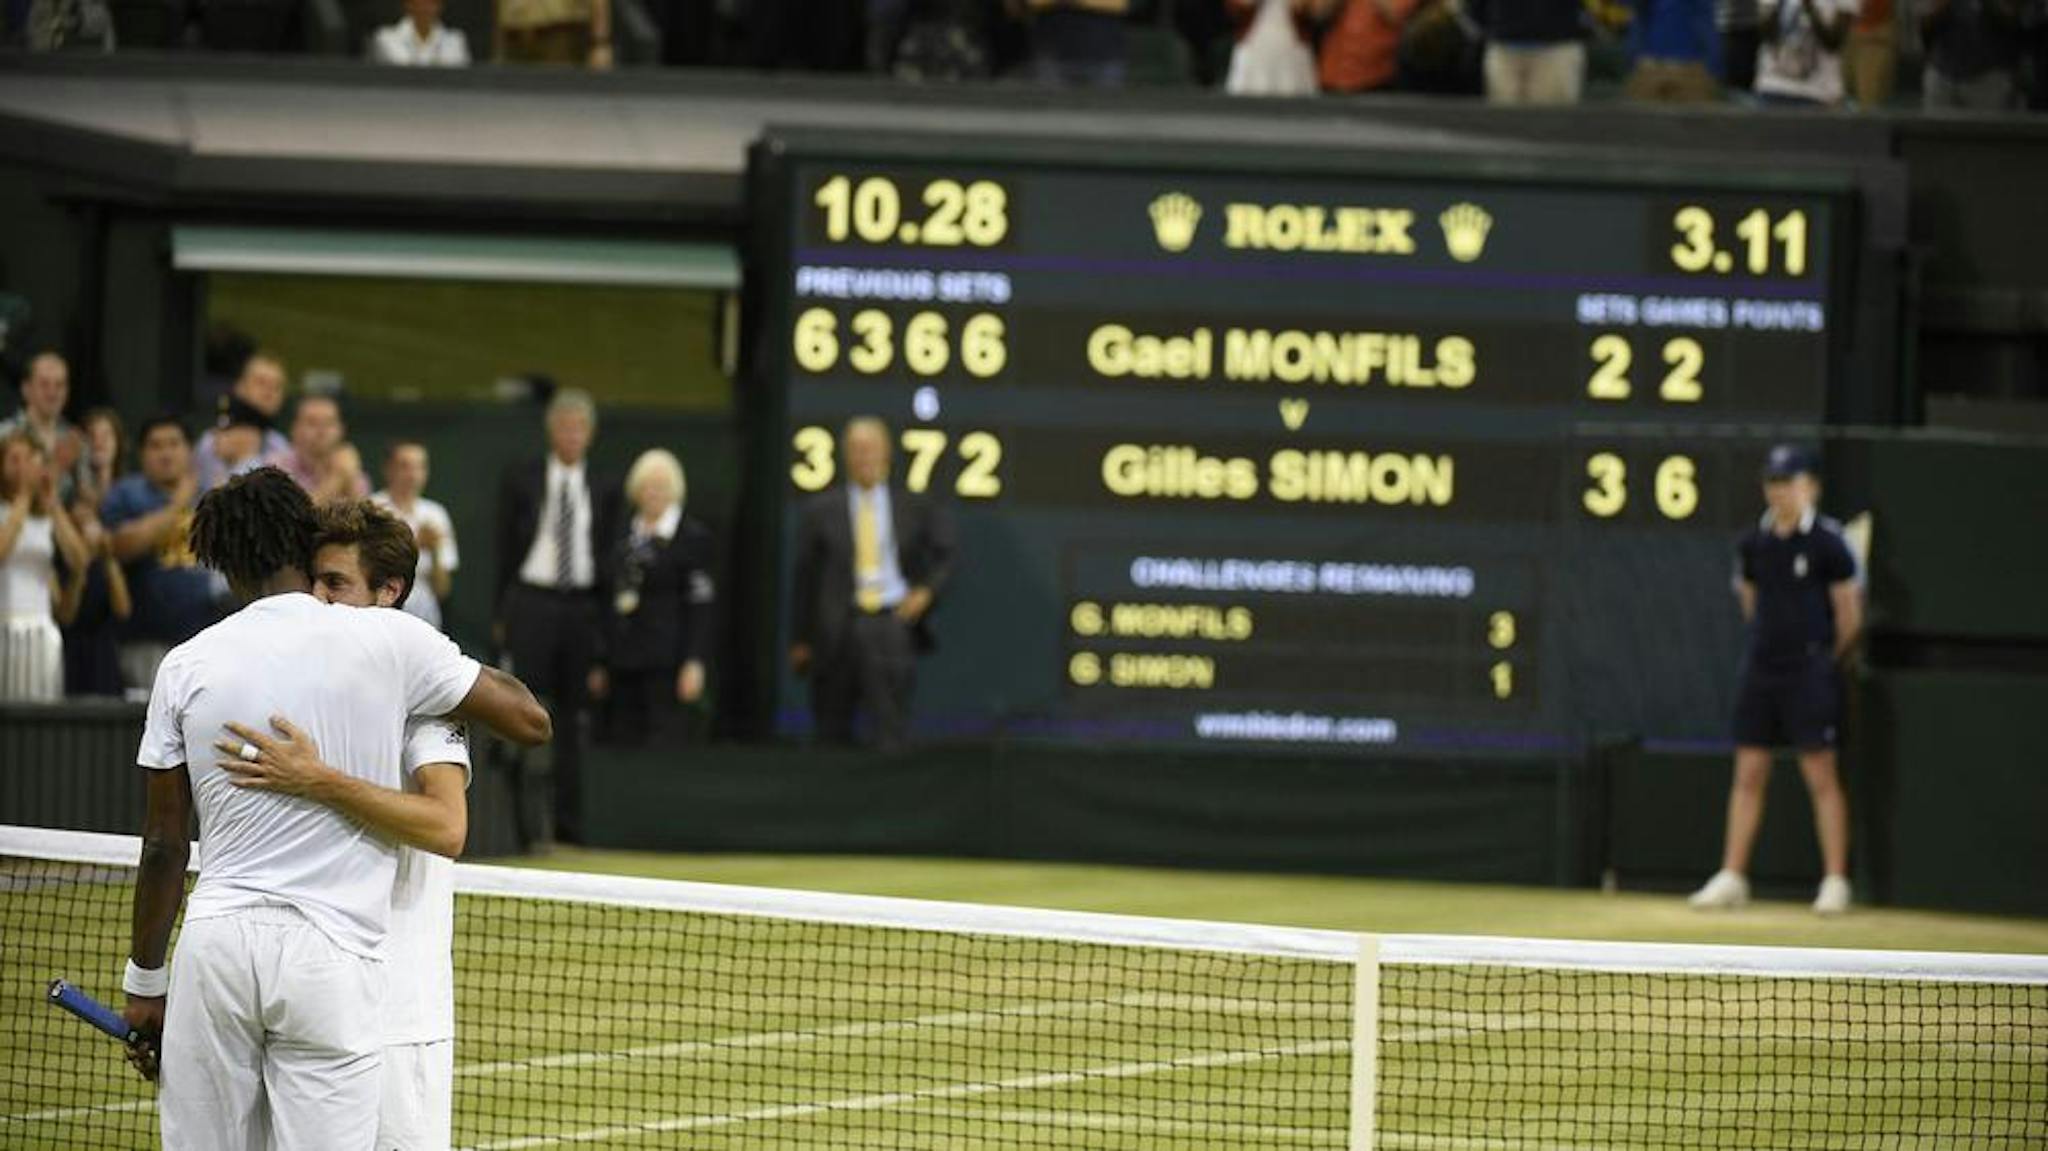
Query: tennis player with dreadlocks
point(272, 1033)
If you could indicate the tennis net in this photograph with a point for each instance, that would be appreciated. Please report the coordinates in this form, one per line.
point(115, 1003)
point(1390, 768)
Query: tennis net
point(609, 1011)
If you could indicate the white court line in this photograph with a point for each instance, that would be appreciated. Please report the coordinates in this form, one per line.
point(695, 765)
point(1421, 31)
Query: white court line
point(899, 1098)
point(61, 1113)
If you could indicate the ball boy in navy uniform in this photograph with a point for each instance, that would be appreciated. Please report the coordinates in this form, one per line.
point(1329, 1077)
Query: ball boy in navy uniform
point(1796, 579)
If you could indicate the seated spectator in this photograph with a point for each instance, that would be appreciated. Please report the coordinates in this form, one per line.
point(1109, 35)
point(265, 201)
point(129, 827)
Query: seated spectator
point(1361, 45)
point(45, 389)
point(922, 40)
point(1078, 43)
point(405, 481)
point(261, 386)
point(1740, 23)
point(1272, 58)
point(34, 531)
point(1800, 63)
point(150, 514)
point(93, 607)
point(105, 444)
point(420, 39)
point(1535, 50)
point(576, 33)
point(1973, 54)
point(322, 460)
point(238, 438)
point(1674, 43)
point(657, 610)
point(1871, 63)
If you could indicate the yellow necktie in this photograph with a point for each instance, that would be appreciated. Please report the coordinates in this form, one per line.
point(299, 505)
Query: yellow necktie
point(867, 555)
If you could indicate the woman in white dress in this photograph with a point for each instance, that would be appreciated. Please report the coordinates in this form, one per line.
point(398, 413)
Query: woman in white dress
point(34, 531)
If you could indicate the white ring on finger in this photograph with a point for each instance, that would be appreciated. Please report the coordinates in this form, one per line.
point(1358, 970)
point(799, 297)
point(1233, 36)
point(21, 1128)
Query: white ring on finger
point(250, 753)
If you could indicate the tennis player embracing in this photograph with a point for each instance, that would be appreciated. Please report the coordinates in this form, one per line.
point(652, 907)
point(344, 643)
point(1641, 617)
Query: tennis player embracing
point(270, 1030)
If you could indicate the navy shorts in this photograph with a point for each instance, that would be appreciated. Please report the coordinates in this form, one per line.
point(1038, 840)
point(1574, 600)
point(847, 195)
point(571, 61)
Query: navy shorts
point(1793, 707)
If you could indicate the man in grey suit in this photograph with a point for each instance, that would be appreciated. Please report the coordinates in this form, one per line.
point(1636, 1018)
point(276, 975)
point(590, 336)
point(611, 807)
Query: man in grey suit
point(871, 559)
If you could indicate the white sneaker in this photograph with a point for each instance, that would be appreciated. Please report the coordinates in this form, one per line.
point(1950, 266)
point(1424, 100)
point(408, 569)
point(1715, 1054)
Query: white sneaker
point(1834, 896)
point(1726, 890)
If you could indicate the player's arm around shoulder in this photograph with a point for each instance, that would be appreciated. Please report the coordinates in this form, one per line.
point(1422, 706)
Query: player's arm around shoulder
point(435, 818)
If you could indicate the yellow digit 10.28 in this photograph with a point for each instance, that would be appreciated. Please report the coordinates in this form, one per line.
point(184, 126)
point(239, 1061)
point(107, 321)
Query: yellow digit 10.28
point(872, 210)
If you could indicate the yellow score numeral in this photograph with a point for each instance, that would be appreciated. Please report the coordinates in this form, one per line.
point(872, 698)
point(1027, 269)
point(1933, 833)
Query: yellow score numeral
point(981, 454)
point(872, 211)
point(1500, 630)
point(1697, 252)
point(1503, 679)
point(1612, 357)
point(1676, 485)
point(927, 348)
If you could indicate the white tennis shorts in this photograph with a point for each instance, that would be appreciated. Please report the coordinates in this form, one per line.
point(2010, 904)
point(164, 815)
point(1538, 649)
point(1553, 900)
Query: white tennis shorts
point(272, 1037)
point(419, 1097)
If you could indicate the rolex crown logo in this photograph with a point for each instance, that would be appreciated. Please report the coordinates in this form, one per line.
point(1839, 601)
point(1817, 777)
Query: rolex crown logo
point(1174, 217)
point(1465, 227)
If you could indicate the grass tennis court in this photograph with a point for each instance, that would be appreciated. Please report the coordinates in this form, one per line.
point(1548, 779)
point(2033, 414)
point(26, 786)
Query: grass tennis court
point(605, 1026)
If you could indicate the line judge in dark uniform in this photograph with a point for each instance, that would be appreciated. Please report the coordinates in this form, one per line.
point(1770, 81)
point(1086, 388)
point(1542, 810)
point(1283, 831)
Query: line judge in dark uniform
point(871, 558)
point(659, 596)
point(1796, 579)
point(555, 523)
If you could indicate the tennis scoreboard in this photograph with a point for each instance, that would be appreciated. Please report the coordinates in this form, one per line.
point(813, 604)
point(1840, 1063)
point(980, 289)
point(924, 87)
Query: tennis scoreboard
point(1259, 448)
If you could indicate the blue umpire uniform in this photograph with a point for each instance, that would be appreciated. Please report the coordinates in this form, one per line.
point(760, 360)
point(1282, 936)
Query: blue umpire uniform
point(1791, 692)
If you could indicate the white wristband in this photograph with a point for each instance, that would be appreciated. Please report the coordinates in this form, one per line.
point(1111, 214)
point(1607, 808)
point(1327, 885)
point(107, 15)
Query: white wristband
point(146, 982)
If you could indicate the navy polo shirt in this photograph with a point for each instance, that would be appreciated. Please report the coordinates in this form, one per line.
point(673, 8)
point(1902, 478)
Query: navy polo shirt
point(1795, 619)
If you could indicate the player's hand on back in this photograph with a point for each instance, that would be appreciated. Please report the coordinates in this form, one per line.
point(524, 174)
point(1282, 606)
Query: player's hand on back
point(145, 1014)
point(287, 761)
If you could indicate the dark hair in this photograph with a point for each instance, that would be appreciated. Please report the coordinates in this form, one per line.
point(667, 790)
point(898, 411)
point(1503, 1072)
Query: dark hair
point(7, 442)
point(120, 433)
point(151, 424)
point(254, 526)
point(385, 545)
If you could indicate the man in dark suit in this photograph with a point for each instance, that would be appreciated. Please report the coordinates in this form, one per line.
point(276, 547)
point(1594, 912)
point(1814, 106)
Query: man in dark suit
point(555, 523)
point(871, 559)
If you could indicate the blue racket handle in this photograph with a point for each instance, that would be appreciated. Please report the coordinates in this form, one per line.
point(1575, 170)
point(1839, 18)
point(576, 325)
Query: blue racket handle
point(78, 1003)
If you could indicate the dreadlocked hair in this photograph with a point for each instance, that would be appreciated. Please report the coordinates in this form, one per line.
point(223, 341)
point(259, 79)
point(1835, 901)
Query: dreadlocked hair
point(254, 526)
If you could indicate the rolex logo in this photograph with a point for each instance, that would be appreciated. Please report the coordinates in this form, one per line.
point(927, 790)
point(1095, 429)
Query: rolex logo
point(1174, 217)
point(1465, 227)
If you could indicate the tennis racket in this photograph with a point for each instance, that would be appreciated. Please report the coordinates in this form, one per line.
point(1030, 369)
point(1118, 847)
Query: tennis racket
point(69, 997)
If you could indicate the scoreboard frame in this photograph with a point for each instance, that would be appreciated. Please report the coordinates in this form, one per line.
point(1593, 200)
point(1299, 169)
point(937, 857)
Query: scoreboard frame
point(770, 304)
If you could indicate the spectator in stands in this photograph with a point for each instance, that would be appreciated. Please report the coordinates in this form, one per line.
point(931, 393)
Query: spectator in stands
point(1740, 23)
point(237, 438)
point(322, 461)
point(69, 26)
point(150, 514)
point(1360, 50)
point(420, 39)
point(1272, 58)
point(554, 522)
point(871, 559)
point(1871, 63)
point(923, 40)
point(34, 531)
point(45, 390)
point(405, 481)
point(577, 33)
point(1535, 50)
point(1078, 43)
point(106, 443)
point(1674, 43)
point(657, 609)
point(1973, 54)
point(1800, 64)
point(93, 607)
point(261, 386)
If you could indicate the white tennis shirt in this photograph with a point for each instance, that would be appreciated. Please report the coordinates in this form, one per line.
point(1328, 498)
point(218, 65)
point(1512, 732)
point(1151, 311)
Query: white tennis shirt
point(419, 968)
point(349, 678)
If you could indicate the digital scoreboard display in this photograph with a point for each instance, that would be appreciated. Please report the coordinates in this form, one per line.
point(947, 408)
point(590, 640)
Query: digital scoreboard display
point(1258, 449)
